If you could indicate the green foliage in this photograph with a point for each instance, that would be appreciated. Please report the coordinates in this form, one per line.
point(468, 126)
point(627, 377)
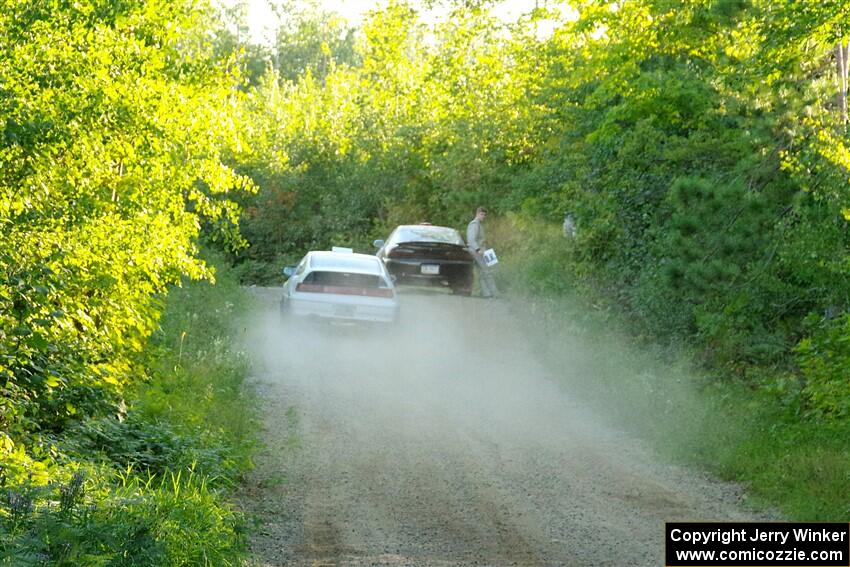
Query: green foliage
point(405, 130)
point(120, 519)
point(312, 40)
point(824, 359)
point(148, 486)
point(535, 258)
point(798, 466)
point(114, 118)
point(152, 447)
point(709, 208)
point(198, 377)
point(712, 231)
point(112, 130)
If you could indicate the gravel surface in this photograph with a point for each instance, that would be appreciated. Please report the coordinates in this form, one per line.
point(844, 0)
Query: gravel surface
point(447, 441)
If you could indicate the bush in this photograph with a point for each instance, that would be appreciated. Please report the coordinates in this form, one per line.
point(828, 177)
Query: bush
point(154, 447)
point(147, 485)
point(108, 518)
point(824, 359)
point(533, 256)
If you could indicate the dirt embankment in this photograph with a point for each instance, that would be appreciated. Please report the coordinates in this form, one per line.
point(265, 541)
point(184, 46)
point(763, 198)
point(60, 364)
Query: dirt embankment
point(449, 442)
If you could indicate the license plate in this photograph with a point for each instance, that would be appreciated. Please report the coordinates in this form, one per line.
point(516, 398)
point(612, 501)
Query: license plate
point(430, 269)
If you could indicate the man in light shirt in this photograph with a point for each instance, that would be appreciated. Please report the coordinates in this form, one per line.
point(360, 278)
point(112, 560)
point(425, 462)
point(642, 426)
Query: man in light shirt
point(476, 244)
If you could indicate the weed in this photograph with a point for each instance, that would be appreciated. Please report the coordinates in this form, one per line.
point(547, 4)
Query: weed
point(149, 487)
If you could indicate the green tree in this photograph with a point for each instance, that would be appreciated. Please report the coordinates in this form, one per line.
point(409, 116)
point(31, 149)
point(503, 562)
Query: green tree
point(113, 117)
point(311, 39)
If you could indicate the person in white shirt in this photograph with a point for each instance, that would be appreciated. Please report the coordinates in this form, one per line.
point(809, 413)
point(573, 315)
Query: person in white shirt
point(476, 244)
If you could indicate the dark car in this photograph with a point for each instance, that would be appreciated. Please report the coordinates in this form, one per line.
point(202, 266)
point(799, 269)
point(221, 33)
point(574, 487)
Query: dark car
point(424, 254)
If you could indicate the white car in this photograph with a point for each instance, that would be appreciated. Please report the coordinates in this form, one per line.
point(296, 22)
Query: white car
point(340, 286)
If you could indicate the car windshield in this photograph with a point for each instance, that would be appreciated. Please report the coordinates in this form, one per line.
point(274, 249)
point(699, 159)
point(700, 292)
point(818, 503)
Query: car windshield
point(426, 233)
point(343, 279)
point(346, 262)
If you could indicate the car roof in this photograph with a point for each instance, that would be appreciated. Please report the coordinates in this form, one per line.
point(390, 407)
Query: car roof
point(425, 226)
point(345, 262)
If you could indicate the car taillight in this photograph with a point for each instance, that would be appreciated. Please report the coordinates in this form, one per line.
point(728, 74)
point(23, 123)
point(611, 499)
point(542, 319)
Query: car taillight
point(343, 290)
point(400, 252)
point(380, 292)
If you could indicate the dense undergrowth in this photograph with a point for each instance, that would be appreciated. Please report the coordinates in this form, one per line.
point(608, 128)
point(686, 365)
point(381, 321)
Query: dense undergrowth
point(760, 433)
point(148, 485)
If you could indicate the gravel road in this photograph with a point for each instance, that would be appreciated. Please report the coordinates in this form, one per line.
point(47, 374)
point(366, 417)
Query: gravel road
point(449, 442)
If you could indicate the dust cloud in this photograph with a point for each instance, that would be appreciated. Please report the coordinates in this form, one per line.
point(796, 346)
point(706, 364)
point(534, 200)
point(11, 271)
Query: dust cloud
point(457, 437)
point(450, 364)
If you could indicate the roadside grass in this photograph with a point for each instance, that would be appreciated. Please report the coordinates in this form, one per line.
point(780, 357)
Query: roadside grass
point(200, 367)
point(802, 467)
point(750, 431)
point(151, 484)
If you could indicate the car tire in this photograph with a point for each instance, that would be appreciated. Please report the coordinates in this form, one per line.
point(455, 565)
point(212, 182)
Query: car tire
point(462, 283)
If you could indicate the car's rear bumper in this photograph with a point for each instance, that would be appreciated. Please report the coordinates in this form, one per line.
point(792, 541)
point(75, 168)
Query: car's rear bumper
point(453, 274)
point(344, 308)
